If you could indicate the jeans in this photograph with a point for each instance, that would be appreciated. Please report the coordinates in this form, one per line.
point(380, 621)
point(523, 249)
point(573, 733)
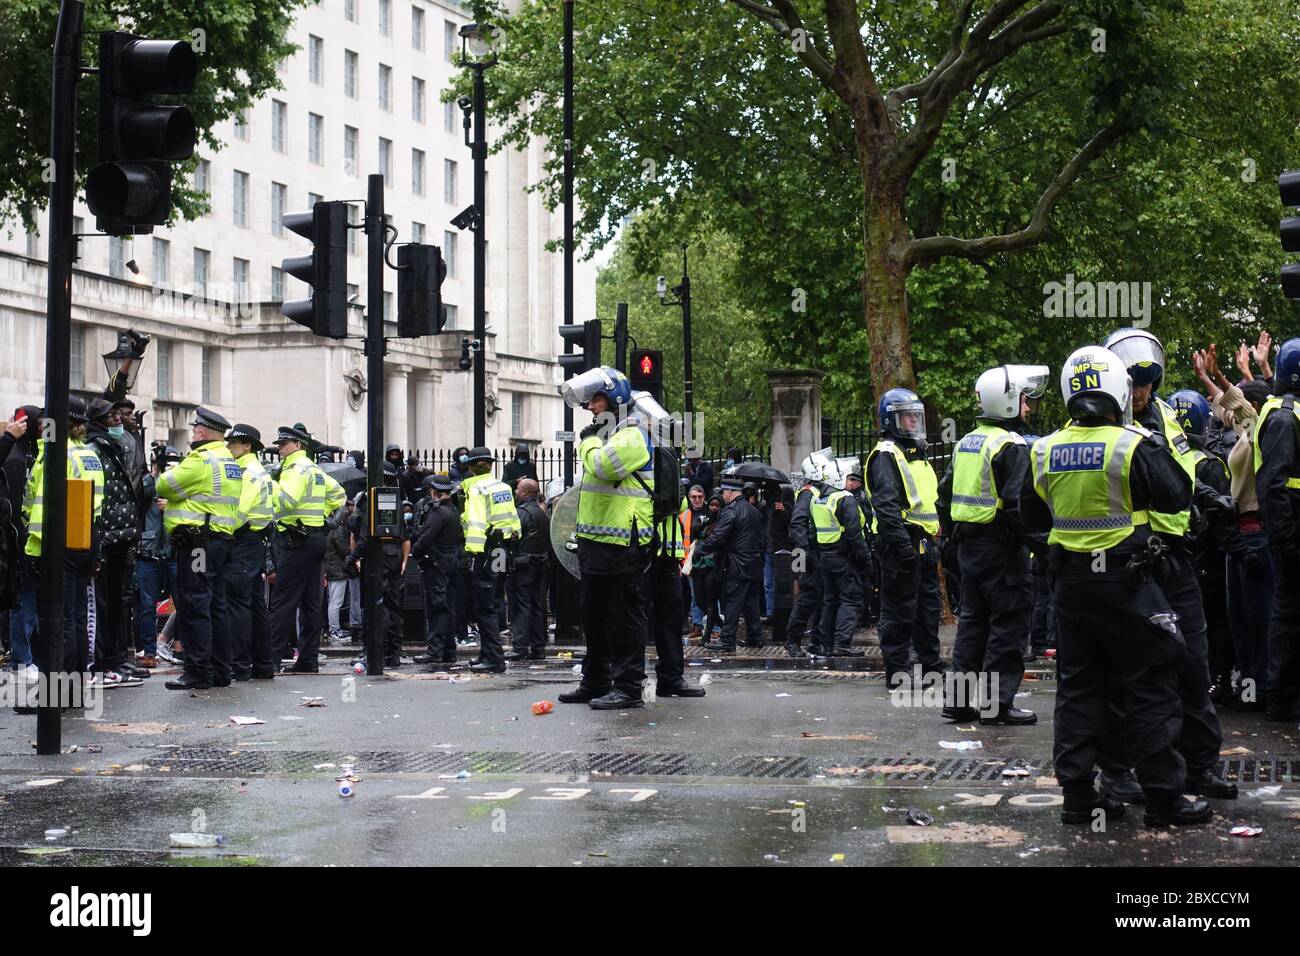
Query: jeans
point(22, 625)
point(337, 589)
point(354, 602)
point(769, 585)
point(697, 611)
point(154, 581)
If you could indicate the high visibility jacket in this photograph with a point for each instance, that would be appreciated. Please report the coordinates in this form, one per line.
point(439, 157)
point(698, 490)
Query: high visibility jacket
point(1082, 473)
point(304, 496)
point(489, 506)
point(826, 522)
point(83, 464)
point(919, 482)
point(612, 501)
point(675, 535)
point(1175, 525)
point(975, 497)
point(256, 497)
point(1288, 404)
point(202, 490)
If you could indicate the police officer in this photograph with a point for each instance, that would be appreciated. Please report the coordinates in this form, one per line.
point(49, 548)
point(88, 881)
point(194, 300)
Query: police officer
point(979, 498)
point(201, 515)
point(396, 552)
point(1277, 482)
point(438, 545)
point(837, 522)
point(1095, 483)
point(738, 535)
point(78, 566)
point(614, 531)
point(807, 614)
point(527, 581)
point(665, 607)
point(1201, 738)
point(250, 628)
point(856, 485)
point(491, 530)
point(903, 489)
point(304, 497)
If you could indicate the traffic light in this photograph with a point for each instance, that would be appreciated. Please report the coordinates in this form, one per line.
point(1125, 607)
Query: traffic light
point(647, 372)
point(586, 335)
point(325, 270)
point(420, 271)
point(130, 190)
point(1288, 184)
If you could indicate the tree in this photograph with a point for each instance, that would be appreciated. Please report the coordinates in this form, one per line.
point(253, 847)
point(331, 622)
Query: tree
point(239, 45)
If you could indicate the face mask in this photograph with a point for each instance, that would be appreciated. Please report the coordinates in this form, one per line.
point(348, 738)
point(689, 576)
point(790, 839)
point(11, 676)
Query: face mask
point(117, 431)
point(408, 516)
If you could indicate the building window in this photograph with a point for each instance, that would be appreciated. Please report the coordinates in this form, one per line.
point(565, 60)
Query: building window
point(349, 150)
point(353, 219)
point(76, 351)
point(315, 138)
point(315, 59)
point(417, 28)
point(349, 74)
point(203, 177)
point(386, 159)
point(417, 232)
point(164, 369)
point(449, 190)
point(417, 171)
point(449, 252)
point(241, 125)
point(241, 199)
point(201, 260)
point(240, 273)
point(516, 414)
point(279, 126)
point(449, 117)
point(385, 87)
point(350, 10)
point(208, 362)
point(33, 245)
point(388, 307)
point(162, 261)
point(386, 17)
point(417, 99)
point(279, 198)
point(116, 257)
point(450, 311)
point(449, 37)
point(277, 284)
point(313, 199)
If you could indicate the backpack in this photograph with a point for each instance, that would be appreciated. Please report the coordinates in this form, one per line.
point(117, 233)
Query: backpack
point(667, 493)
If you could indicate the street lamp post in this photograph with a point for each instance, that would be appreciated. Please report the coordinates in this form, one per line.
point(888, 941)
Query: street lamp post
point(683, 293)
point(476, 53)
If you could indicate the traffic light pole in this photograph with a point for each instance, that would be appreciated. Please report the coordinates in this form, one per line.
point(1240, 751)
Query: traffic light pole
point(58, 332)
point(480, 258)
point(373, 566)
point(568, 222)
point(688, 383)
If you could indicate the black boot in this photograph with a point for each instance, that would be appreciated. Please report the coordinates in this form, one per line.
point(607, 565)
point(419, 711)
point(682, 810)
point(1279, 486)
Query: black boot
point(1081, 805)
point(583, 695)
point(616, 700)
point(1165, 807)
point(1011, 715)
point(1207, 783)
point(794, 650)
point(1122, 786)
point(961, 714)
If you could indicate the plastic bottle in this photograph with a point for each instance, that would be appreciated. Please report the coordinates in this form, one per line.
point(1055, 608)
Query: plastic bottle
point(543, 707)
point(648, 692)
point(196, 840)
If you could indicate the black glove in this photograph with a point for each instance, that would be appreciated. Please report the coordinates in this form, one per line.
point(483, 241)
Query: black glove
point(589, 431)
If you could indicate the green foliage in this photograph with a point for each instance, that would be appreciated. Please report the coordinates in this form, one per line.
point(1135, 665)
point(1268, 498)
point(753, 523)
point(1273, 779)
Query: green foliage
point(243, 40)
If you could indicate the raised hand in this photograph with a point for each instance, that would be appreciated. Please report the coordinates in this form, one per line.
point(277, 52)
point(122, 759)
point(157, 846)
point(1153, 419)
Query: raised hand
point(1261, 352)
point(1243, 362)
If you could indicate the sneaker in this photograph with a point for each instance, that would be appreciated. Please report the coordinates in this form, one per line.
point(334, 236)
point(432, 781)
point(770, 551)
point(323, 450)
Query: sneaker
point(30, 673)
point(116, 679)
point(148, 662)
point(164, 652)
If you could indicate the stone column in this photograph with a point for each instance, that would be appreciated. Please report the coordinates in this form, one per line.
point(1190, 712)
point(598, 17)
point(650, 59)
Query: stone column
point(425, 433)
point(796, 415)
point(396, 421)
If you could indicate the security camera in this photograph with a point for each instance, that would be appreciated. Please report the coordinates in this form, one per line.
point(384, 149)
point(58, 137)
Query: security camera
point(661, 286)
point(467, 218)
point(465, 103)
point(466, 361)
point(135, 269)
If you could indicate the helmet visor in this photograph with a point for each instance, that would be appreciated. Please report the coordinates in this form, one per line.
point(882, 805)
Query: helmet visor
point(908, 419)
point(1143, 356)
point(581, 389)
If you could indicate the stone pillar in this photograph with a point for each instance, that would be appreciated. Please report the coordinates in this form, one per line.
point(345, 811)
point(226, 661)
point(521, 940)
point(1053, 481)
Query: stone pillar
point(396, 421)
point(796, 415)
point(425, 433)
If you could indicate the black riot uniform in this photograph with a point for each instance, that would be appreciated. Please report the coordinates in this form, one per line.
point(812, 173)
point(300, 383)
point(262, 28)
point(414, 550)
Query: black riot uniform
point(394, 551)
point(527, 583)
point(1277, 482)
point(996, 588)
point(806, 618)
point(739, 535)
point(439, 546)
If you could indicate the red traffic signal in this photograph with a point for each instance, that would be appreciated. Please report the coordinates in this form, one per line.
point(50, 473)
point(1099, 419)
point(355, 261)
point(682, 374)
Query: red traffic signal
point(647, 371)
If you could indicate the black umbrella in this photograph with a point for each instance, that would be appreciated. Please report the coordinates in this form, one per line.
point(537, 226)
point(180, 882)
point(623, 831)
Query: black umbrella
point(351, 478)
point(757, 471)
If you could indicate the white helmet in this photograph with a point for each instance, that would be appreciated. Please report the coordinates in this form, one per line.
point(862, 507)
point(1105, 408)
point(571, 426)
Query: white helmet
point(1094, 380)
point(999, 389)
point(1141, 353)
point(814, 466)
point(833, 475)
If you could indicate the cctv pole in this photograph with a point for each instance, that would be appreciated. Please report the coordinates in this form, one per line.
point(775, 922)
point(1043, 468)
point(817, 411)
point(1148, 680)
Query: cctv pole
point(480, 258)
point(688, 383)
point(568, 223)
point(376, 223)
point(58, 332)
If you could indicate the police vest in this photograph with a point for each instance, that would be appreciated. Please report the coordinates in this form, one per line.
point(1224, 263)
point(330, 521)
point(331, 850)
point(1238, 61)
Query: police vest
point(825, 519)
point(1176, 525)
point(920, 484)
point(256, 496)
point(304, 494)
point(675, 535)
point(83, 464)
point(1082, 473)
point(975, 496)
point(203, 490)
point(489, 506)
point(1288, 403)
point(612, 501)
